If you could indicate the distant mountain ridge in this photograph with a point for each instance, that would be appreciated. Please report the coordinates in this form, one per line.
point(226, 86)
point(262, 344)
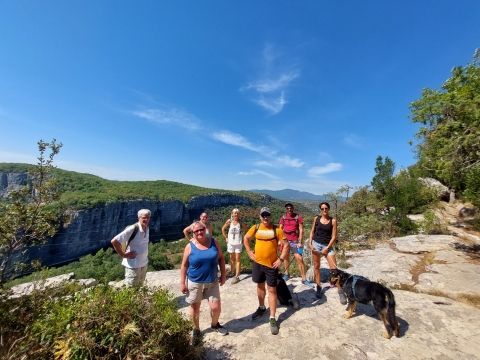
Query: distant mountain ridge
point(290, 194)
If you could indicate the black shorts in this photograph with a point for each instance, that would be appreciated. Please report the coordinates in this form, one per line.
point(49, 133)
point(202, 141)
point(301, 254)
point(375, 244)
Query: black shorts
point(262, 273)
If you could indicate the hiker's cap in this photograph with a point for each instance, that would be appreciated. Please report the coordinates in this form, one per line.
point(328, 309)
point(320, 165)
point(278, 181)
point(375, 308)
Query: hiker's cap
point(265, 211)
point(288, 204)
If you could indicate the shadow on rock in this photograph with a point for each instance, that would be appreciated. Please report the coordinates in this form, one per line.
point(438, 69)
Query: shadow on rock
point(220, 353)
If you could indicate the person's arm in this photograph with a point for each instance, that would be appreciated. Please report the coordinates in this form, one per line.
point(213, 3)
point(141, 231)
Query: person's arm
point(183, 269)
point(118, 248)
point(333, 239)
point(246, 243)
point(300, 234)
point(186, 231)
point(221, 262)
point(285, 249)
point(224, 229)
point(311, 234)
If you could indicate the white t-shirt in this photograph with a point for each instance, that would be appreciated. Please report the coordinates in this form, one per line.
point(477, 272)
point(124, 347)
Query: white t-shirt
point(139, 244)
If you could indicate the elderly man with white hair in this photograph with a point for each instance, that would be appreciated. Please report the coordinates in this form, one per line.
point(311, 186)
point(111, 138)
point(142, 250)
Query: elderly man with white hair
point(132, 245)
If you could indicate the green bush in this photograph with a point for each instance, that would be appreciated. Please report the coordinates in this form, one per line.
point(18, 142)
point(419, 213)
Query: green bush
point(102, 323)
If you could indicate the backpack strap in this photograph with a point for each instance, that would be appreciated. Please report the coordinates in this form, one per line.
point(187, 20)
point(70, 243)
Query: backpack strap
point(134, 232)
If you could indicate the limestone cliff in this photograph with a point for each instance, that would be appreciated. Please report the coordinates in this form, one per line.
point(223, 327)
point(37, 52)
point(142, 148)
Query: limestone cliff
point(88, 230)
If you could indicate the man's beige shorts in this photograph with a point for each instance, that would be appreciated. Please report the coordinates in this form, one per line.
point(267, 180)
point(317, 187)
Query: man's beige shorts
point(135, 277)
point(199, 291)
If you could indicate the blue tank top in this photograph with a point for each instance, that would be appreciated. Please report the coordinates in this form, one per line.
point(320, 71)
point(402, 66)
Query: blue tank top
point(202, 264)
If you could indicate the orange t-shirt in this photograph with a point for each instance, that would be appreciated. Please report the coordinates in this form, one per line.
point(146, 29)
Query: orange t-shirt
point(266, 243)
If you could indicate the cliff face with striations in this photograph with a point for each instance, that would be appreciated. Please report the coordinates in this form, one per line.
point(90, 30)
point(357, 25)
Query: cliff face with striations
point(86, 231)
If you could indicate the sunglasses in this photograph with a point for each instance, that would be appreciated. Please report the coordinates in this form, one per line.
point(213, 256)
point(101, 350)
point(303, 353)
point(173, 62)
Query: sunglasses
point(198, 230)
point(324, 208)
point(265, 215)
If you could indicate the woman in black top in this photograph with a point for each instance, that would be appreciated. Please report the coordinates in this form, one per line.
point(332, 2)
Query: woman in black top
point(322, 238)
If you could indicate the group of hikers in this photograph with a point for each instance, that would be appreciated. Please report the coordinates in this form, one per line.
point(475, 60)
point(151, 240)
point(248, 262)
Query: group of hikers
point(203, 256)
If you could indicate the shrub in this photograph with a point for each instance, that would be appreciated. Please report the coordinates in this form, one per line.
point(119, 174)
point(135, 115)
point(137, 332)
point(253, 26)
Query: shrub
point(104, 323)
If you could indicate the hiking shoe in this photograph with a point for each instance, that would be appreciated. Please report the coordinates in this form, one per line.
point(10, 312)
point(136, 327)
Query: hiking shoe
point(319, 292)
point(342, 297)
point(273, 326)
point(196, 337)
point(220, 329)
point(236, 280)
point(259, 312)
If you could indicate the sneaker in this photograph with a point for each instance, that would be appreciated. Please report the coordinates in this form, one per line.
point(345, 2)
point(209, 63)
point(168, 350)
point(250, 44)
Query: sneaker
point(236, 280)
point(273, 326)
point(319, 292)
point(220, 329)
point(259, 312)
point(285, 277)
point(342, 297)
point(196, 337)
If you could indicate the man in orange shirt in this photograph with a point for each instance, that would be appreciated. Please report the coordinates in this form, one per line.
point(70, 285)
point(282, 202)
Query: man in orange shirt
point(266, 263)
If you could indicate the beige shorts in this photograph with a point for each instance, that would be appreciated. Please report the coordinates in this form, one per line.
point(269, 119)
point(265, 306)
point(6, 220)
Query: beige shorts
point(199, 291)
point(135, 277)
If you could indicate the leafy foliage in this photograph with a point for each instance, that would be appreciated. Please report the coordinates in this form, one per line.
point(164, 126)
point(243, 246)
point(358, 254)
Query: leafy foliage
point(102, 323)
point(449, 148)
point(27, 216)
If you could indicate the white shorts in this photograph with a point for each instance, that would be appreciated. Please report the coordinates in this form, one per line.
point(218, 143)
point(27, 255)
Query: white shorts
point(234, 248)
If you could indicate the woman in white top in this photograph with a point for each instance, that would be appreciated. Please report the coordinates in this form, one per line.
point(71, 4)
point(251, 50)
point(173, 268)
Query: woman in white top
point(188, 231)
point(234, 240)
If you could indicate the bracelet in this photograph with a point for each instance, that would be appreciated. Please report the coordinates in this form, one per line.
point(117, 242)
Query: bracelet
point(281, 260)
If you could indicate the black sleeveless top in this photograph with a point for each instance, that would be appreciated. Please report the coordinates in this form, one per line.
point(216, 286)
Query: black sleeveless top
point(323, 232)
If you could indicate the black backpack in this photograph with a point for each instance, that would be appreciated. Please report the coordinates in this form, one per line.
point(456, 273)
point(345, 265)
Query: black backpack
point(134, 232)
point(283, 293)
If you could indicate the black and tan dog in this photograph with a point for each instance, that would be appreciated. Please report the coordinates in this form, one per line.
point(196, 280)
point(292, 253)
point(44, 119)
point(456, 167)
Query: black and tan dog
point(360, 289)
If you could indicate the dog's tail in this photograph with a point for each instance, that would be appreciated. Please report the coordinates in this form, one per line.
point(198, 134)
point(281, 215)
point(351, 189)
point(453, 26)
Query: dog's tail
point(391, 317)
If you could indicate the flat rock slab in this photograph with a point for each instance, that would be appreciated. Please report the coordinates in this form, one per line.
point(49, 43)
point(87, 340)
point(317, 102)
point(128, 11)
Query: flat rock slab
point(417, 244)
point(383, 264)
point(431, 327)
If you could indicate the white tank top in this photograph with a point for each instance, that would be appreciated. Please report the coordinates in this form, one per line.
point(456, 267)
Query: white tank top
point(235, 234)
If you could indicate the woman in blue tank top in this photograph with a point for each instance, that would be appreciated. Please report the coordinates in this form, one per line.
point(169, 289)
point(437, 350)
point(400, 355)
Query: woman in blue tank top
point(199, 279)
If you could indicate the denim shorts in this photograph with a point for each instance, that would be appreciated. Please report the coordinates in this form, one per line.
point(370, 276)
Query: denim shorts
point(319, 247)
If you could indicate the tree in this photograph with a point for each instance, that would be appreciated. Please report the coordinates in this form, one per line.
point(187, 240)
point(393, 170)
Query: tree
point(345, 189)
point(449, 145)
point(27, 216)
point(383, 179)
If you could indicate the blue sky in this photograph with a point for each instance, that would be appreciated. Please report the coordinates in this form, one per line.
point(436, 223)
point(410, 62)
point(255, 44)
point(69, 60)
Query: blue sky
point(224, 94)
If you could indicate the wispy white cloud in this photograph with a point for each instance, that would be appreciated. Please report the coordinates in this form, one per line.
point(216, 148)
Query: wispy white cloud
point(257, 172)
point(280, 162)
point(353, 140)
point(169, 116)
point(322, 170)
point(270, 88)
point(273, 104)
point(230, 138)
